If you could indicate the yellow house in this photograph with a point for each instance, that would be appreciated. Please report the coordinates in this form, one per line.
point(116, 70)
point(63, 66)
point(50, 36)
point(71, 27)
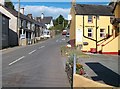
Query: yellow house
point(114, 45)
point(91, 28)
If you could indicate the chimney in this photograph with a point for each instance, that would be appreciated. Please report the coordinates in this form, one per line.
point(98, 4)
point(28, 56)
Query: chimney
point(30, 16)
point(73, 2)
point(2, 2)
point(22, 11)
point(42, 16)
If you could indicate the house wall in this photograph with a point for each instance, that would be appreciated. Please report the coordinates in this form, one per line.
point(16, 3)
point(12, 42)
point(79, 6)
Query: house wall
point(102, 23)
point(72, 27)
point(5, 31)
point(107, 49)
point(13, 37)
point(117, 11)
point(49, 25)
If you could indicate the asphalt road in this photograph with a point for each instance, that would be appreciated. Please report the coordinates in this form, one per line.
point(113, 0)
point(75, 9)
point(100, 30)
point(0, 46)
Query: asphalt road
point(39, 65)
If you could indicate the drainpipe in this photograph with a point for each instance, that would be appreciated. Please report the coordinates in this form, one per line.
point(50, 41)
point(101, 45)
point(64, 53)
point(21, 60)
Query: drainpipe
point(88, 37)
point(96, 33)
point(84, 32)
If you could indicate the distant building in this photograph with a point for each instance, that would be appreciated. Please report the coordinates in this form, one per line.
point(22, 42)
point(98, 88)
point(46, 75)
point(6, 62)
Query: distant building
point(48, 21)
point(4, 31)
point(91, 28)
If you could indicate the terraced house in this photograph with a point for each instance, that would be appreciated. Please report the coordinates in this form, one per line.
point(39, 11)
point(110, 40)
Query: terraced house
point(29, 29)
point(4, 31)
point(91, 28)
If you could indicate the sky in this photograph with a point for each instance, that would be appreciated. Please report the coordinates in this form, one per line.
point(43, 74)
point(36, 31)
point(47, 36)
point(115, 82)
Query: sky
point(52, 7)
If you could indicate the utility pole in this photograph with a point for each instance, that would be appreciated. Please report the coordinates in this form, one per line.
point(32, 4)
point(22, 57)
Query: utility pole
point(63, 23)
point(18, 22)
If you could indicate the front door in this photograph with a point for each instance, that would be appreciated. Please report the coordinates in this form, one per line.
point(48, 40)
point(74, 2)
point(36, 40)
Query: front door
point(79, 36)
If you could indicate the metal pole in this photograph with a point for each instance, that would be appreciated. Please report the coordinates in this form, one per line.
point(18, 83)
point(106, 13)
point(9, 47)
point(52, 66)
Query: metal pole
point(18, 26)
point(96, 33)
point(74, 67)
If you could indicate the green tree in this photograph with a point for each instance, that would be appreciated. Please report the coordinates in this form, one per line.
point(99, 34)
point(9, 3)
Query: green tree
point(60, 20)
point(9, 4)
point(60, 23)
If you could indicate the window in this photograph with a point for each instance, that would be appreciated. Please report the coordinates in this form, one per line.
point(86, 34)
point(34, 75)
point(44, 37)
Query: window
point(90, 32)
point(89, 19)
point(102, 32)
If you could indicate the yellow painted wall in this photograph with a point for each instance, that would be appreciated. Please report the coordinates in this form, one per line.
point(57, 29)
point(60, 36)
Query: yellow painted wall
point(79, 25)
point(113, 46)
point(72, 25)
point(117, 11)
point(81, 82)
point(103, 22)
point(104, 42)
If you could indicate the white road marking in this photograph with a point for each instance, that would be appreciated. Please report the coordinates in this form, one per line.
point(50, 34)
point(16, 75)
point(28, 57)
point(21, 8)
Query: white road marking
point(41, 47)
point(32, 52)
point(16, 60)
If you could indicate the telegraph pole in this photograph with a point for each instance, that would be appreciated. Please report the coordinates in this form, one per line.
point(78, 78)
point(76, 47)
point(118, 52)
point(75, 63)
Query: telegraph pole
point(18, 25)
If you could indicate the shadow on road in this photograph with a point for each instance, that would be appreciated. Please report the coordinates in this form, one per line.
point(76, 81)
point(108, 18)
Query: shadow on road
point(106, 75)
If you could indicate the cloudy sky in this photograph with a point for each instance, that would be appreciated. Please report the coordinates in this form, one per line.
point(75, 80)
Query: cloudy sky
point(52, 7)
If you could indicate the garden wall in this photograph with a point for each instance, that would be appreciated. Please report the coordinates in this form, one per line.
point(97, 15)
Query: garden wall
point(80, 82)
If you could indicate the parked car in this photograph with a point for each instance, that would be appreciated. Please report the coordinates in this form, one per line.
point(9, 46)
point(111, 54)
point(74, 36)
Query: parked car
point(64, 32)
point(67, 34)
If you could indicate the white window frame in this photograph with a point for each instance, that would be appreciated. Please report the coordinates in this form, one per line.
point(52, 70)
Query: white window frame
point(90, 32)
point(102, 32)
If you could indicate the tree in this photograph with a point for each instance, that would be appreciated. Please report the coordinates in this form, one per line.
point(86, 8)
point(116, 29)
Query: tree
point(60, 23)
point(9, 4)
point(60, 19)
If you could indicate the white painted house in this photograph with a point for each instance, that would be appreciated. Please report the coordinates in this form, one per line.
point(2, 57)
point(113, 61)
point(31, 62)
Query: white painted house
point(12, 26)
point(28, 27)
point(48, 21)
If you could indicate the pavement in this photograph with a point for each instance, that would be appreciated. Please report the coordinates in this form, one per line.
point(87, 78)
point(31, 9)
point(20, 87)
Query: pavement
point(102, 68)
point(39, 65)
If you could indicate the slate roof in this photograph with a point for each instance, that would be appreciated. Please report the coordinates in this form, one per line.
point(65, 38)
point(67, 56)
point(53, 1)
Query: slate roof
point(45, 20)
point(24, 17)
point(86, 9)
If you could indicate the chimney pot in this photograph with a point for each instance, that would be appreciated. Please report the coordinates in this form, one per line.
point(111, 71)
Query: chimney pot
point(42, 16)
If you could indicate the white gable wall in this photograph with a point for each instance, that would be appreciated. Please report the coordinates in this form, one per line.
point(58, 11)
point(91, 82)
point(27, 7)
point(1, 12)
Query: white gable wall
point(12, 21)
point(49, 25)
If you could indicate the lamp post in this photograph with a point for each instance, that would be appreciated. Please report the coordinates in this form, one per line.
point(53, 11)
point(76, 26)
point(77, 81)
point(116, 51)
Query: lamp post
point(18, 22)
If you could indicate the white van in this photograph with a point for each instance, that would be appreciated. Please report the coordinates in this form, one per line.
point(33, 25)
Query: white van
point(45, 34)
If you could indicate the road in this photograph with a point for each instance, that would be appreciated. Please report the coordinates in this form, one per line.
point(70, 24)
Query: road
point(38, 65)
